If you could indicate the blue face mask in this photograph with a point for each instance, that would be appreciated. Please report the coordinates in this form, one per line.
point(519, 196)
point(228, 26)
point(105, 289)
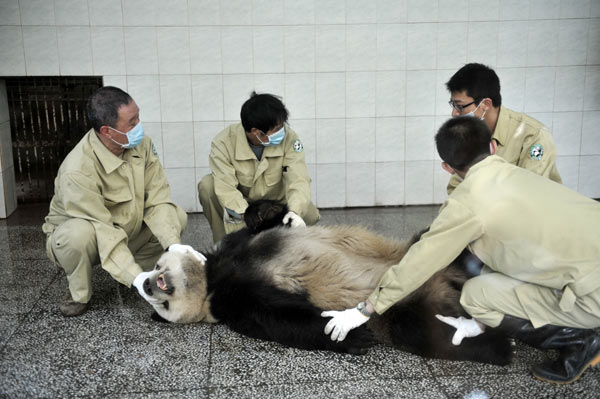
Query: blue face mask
point(275, 138)
point(472, 113)
point(134, 136)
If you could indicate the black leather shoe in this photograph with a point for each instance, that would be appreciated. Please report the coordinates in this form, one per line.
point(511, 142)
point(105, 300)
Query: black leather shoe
point(581, 352)
point(68, 307)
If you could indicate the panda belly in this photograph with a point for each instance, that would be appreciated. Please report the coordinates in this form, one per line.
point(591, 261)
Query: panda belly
point(314, 261)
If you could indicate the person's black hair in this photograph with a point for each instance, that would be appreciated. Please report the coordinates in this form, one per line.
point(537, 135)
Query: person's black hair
point(463, 141)
point(478, 81)
point(263, 112)
point(103, 106)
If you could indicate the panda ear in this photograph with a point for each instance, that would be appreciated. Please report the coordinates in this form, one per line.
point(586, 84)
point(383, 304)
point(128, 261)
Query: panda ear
point(156, 317)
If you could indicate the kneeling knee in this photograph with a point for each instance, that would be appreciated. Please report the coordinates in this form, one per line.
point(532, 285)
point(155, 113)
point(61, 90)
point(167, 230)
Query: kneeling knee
point(471, 293)
point(206, 187)
point(75, 237)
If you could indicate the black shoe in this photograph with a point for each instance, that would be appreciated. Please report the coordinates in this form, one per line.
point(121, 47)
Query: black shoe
point(69, 308)
point(582, 351)
point(578, 348)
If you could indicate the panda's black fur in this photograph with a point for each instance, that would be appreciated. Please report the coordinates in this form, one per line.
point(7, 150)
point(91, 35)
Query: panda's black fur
point(250, 304)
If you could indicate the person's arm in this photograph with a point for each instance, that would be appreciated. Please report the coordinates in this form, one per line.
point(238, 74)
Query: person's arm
point(82, 199)
point(295, 176)
point(454, 228)
point(225, 180)
point(160, 213)
point(539, 155)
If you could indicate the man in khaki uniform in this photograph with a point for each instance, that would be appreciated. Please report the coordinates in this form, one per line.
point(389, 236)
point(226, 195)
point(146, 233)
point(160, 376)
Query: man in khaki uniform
point(111, 202)
point(261, 158)
point(542, 280)
point(520, 139)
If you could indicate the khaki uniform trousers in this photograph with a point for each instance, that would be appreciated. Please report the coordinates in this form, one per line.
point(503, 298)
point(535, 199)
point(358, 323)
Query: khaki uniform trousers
point(215, 214)
point(74, 248)
point(491, 295)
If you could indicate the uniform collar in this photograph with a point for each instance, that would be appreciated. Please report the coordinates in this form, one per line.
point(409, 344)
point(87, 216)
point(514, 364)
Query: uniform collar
point(482, 164)
point(109, 161)
point(244, 152)
point(501, 132)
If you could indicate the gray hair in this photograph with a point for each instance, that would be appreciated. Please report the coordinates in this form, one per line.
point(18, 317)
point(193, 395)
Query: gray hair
point(103, 106)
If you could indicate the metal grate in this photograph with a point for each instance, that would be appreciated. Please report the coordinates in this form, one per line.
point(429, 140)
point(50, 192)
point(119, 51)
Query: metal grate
point(47, 119)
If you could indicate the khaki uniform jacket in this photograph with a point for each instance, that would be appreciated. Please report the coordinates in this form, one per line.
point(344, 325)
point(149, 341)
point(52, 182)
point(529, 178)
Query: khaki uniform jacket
point(116, 195)
point(280, 175)
point(519, 139)
point(518, 224)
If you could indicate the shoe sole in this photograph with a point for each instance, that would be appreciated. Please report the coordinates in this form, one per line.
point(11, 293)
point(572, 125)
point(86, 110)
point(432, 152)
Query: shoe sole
point(71, 313)
point(595, 360)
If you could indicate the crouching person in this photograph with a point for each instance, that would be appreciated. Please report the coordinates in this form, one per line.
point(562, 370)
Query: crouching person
point(111, 202)
point(539, 240)
point(259, 158)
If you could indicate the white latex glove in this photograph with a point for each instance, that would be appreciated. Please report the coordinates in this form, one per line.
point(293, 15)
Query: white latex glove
point(182, 249)
point(465, 328)
point(296, 221)
point(342, 322)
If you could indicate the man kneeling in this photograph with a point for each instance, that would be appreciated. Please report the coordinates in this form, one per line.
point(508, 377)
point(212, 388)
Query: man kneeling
point(112, 204)
point(542, 275)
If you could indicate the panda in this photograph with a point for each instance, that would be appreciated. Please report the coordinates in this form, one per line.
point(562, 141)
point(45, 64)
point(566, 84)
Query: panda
point(272, 282)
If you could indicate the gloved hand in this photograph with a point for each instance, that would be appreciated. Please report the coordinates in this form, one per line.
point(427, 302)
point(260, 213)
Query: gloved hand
point(342, 322)
point(295, 220)
point(465, 328)
point(182, 249)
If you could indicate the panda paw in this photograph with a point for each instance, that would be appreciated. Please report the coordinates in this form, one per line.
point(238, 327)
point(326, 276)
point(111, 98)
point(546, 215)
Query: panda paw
point(358, 341)
point(264, 214)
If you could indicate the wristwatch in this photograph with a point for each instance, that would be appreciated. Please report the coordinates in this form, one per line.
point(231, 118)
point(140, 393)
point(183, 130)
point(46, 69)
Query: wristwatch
point(362, 308)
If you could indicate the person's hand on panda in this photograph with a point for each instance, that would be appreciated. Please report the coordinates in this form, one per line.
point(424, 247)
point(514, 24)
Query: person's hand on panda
point(342, 322)
point(293, 219)
point(182, 249)
point(465, 328)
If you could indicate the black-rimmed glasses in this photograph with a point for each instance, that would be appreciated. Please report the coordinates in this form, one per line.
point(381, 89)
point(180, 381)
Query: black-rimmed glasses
point(460, 107)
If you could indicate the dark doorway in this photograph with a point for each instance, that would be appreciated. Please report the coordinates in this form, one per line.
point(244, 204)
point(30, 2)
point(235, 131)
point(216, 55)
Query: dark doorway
point(47, 119)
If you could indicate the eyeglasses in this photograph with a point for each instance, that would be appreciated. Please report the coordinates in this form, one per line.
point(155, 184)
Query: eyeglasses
point(460, 107)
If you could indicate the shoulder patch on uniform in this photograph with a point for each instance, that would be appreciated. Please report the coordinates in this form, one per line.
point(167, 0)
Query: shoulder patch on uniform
point(536, 152)
point(297, 146)
point(154, 150)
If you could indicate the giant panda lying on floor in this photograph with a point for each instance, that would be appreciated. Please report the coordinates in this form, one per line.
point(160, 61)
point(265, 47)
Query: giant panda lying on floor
point(273, 284)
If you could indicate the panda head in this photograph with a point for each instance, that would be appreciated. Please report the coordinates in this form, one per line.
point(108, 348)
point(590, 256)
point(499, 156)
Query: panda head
point(176, 288)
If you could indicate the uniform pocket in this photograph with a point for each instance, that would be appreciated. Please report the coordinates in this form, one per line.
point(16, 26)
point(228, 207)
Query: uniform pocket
point(115, 197)
point(245, 180)
point(272, 179)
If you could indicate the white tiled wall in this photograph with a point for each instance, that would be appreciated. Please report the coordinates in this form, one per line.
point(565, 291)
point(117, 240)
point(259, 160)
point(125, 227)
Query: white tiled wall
point(363, 80)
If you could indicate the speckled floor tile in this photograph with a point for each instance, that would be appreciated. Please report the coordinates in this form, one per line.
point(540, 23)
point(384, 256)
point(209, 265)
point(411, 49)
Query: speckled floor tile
point(8, 326)
point(198, 233)
point(360, 386)
point(517, 387)
point(24, 282)
point(115, 350)
point(102, 353)
point(238, 360)
point(24, 243)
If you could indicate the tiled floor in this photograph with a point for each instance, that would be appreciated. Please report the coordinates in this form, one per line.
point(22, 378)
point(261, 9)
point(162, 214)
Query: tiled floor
point(116, 350)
